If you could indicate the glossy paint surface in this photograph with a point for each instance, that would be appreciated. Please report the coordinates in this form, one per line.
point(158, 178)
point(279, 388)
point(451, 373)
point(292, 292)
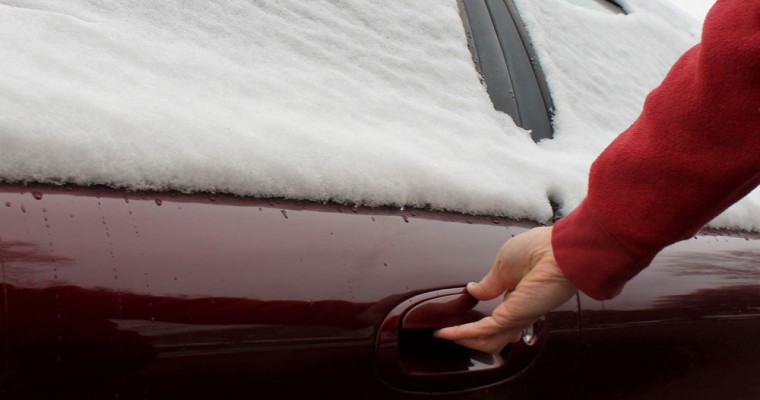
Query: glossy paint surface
point(688, 327)
point(108, 293)
point(141, 295)
point(405, 339)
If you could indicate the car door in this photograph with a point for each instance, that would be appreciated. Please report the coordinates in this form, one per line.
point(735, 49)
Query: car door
point(154, 295)
point(109, 293)
point(686, 327)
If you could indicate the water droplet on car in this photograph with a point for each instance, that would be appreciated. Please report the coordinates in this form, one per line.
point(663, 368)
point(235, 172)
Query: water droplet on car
point(284, 213)
point(8, 204)
point(159, 202)
point(385, 264)
point(23, 209)
point(405, 218)
point(37, 194)
point(212, 198)
point(373, 219)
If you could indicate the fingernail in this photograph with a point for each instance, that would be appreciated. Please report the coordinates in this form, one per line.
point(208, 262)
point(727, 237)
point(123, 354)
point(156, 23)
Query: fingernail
point(471, 285)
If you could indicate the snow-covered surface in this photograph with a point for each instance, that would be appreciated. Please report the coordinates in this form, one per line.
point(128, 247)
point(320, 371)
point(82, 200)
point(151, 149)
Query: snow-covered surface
point(696, 8)
point(352, 101)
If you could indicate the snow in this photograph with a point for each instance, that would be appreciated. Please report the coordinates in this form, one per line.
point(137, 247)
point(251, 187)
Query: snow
point(696, 8)
point(352, 101)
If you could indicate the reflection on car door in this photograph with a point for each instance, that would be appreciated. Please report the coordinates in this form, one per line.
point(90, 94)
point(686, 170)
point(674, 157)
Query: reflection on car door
point(108, 293)
point(686, 327)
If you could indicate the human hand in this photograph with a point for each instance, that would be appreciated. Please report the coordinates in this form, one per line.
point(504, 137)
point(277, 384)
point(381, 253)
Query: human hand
point(526, 270)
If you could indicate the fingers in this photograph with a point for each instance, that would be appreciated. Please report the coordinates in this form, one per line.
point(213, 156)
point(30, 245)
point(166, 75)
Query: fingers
point(479, 329)
point(542, 289)
point(485, 335)
point(506, 317)
point(514, 260)
point(498, 280)
point(525, 266)
point(489, 288)
point(492, 345)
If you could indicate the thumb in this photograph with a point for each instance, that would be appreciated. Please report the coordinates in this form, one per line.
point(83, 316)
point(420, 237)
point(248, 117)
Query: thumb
point(490, 287)
point(506, 270)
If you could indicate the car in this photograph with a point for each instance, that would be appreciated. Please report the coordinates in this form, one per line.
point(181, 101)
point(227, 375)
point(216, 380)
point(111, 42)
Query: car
point(127, 292)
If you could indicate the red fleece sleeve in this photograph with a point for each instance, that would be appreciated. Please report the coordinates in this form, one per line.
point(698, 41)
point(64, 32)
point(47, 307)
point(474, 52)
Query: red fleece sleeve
point(693, 152)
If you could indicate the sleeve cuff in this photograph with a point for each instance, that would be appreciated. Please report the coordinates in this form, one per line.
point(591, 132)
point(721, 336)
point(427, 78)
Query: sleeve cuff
point(591, 258)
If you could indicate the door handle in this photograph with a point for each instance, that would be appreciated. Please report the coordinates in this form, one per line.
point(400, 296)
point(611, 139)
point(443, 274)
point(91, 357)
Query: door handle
point(410, 358)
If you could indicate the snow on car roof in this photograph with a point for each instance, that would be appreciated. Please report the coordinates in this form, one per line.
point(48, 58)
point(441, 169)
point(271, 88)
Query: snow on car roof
point(376, 103)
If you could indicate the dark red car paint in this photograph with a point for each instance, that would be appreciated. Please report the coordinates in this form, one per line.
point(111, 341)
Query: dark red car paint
point(142, 295)
point(687, 328)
